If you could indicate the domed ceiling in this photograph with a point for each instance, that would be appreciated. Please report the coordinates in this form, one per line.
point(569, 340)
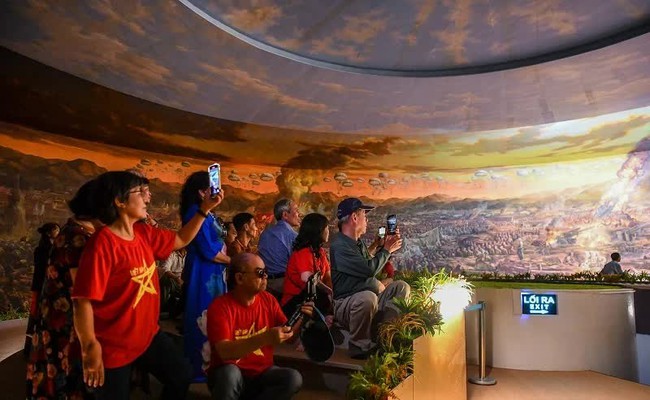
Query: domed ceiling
point(427, 38)
point(215, 58)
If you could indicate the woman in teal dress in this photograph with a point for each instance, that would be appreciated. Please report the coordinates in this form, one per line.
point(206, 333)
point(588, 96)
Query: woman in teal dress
point(203, 275)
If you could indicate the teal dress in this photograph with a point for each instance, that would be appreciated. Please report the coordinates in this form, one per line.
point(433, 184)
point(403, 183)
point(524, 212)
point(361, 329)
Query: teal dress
point(206, 280)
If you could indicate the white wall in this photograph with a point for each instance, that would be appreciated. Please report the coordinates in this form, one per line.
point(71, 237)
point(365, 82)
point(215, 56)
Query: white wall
point(593, 330)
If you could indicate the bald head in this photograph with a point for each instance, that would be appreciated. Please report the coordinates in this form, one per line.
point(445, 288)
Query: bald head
point(244, 264)
point(241, 260)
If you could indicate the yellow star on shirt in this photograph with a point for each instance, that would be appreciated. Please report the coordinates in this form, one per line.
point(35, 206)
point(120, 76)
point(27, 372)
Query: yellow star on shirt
point(246, 333)
point(143, 277)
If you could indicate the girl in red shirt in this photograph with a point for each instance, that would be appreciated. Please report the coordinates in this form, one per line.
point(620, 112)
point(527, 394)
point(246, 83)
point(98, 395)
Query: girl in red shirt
point(307, 258)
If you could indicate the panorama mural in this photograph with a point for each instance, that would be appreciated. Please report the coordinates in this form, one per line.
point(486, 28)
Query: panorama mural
point(552, 198)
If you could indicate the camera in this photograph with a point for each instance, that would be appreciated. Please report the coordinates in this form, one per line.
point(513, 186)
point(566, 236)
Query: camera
point(312, 283)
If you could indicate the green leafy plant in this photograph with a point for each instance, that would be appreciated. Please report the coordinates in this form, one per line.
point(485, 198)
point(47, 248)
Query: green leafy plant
point(400, 332)
point(379, 376)
point(420, 315)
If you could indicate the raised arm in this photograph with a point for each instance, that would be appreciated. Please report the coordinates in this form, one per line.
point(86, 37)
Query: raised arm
point(185, 235)
point(355, 263)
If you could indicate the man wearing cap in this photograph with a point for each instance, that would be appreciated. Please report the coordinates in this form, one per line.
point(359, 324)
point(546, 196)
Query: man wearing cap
point(360, 299)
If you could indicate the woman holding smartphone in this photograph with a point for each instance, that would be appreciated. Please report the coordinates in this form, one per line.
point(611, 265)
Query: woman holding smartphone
point(203, 275)
point(117, 294)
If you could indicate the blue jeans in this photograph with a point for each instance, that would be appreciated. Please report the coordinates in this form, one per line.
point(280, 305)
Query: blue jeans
point(228, 383)
point(163, 359)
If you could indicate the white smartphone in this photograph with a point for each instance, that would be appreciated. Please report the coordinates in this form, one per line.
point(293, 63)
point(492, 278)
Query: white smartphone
point(382, 231)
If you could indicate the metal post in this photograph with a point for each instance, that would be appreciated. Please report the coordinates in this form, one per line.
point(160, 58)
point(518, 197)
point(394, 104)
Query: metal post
point(482, 379)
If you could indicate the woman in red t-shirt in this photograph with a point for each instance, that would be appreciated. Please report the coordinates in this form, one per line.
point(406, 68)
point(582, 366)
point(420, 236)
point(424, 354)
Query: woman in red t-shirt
point(307, 258)
point(117, 295)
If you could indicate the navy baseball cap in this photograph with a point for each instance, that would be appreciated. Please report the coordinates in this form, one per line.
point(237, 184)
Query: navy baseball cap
point(350, 205)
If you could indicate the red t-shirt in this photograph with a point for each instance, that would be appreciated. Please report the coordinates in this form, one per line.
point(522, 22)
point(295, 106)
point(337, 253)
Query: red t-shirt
point(119, 277)
point(301, 261)
point(228, 319)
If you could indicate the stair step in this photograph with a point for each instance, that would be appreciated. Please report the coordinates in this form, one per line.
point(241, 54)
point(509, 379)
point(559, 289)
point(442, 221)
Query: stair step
point(339, 360)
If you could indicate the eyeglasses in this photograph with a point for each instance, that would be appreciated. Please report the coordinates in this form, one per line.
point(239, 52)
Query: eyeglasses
point(144, 191)
point(260, 272)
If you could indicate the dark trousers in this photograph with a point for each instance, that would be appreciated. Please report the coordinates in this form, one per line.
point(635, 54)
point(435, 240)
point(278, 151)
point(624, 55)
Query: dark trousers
point(228, 383)
point(163, 360)
point(171, 294)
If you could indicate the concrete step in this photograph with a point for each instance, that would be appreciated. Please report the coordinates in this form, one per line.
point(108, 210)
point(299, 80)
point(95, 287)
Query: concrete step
point(328, 378)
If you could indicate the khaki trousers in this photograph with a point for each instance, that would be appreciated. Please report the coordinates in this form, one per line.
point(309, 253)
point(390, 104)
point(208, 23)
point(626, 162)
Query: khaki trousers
point(361, 311)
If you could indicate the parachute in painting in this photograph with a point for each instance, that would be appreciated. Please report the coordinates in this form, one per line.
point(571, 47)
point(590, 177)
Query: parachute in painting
point(266, 177)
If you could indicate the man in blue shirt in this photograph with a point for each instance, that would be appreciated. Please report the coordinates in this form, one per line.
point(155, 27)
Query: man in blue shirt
point(276, 241)
point(613, 267)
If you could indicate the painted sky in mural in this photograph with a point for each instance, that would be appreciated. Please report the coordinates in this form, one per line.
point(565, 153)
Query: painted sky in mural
point(56, 115)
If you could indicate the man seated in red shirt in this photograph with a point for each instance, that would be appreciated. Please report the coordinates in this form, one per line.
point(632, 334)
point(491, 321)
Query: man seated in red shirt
point(243, 326)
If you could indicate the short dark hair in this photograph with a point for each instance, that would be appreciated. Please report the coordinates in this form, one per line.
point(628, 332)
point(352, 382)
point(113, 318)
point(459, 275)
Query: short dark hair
point(110, 186)
point(615, 256)
point(82, 205)
point(241, 219)
point(310, 233)
point(47, 227)
point(280, 207)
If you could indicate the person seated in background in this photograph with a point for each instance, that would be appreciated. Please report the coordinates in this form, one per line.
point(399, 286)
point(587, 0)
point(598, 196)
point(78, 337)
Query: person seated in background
point(309, 257)
point(360, 300)
point(171, 283)
point(243, 326)
point(246, 228)
point(276, 242)
point(613, 267)
point(231, 233)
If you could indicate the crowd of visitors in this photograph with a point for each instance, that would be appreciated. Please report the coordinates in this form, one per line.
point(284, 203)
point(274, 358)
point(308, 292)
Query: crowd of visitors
point(102, 279)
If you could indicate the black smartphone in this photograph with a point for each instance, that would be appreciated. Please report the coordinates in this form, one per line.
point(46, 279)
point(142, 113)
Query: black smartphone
point(214, 171)
point(381, 232)
point(294, 318)
point(391, 224)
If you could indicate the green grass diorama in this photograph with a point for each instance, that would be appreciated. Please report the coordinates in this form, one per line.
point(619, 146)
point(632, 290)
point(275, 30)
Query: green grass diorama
point(539, 285)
